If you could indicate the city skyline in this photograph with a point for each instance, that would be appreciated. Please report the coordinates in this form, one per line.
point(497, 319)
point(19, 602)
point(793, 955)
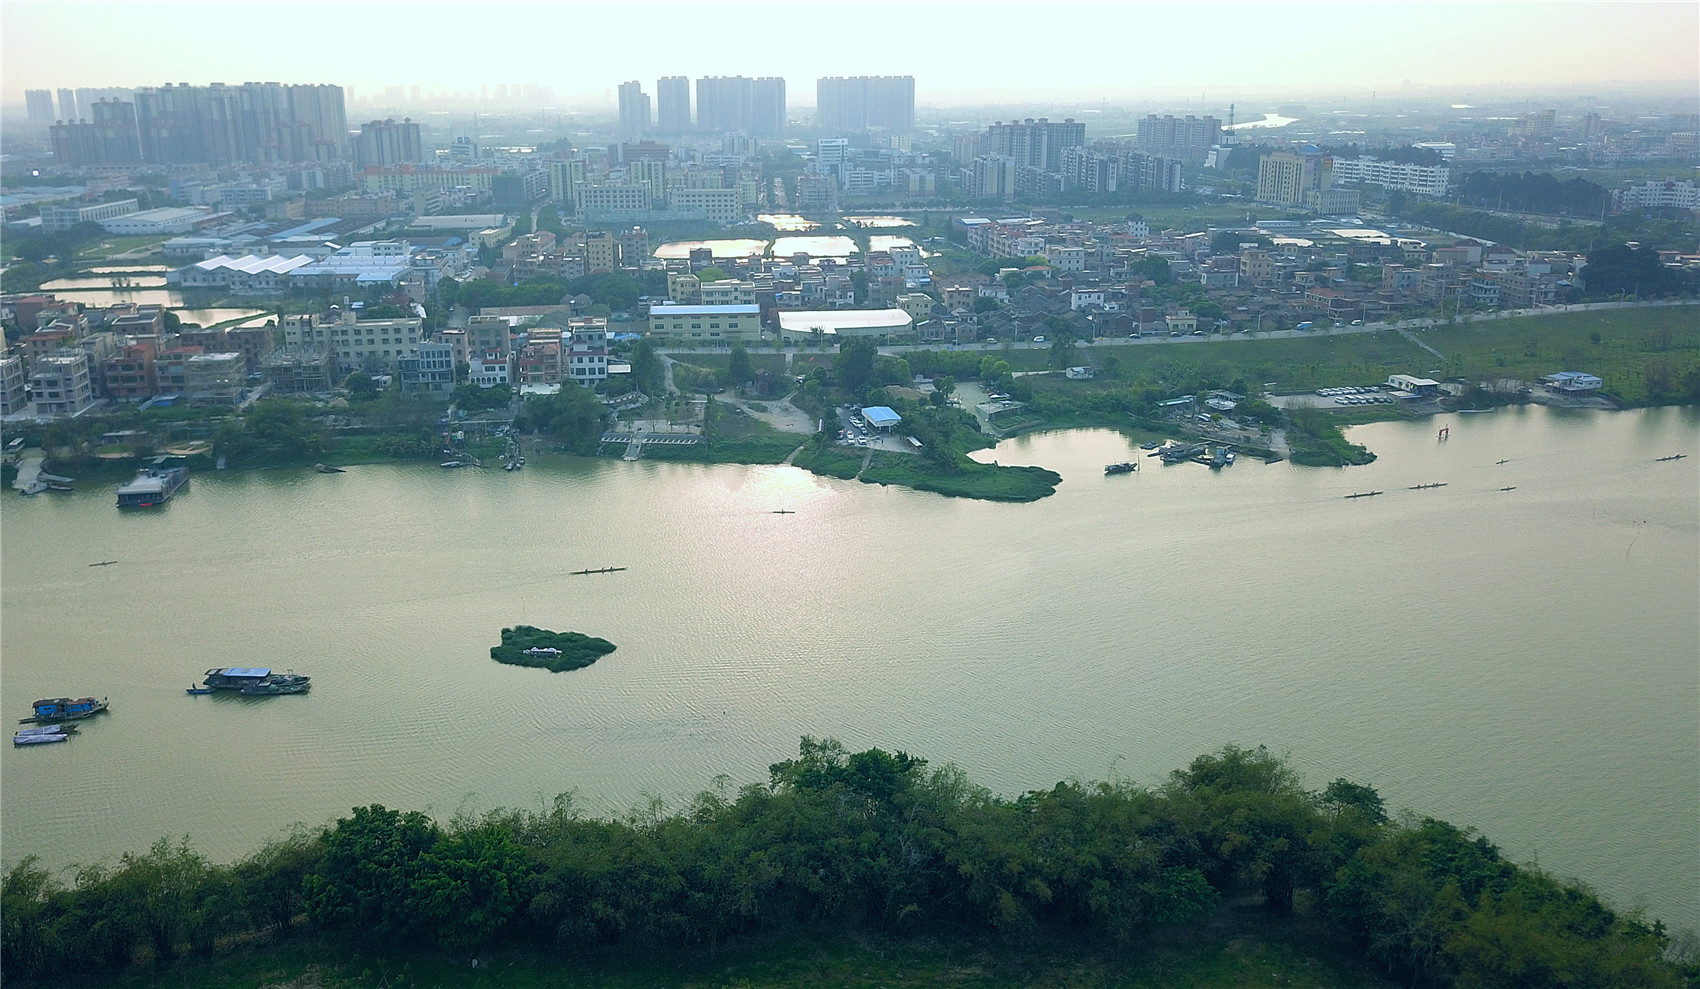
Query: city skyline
point(1303, 48)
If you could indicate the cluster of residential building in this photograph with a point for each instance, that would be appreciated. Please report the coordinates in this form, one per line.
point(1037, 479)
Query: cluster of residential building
point(73, 358)
point(1044, 158)
point(1284, 273)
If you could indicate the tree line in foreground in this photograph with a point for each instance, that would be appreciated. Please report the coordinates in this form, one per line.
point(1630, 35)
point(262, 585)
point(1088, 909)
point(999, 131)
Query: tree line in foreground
point(863, 840)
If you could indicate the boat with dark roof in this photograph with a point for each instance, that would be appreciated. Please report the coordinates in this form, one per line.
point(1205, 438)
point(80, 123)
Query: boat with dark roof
point(256, 680)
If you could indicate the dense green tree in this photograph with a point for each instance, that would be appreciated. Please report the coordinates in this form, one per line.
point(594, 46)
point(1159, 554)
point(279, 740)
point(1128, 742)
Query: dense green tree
point(1622, 270)
point(471, 883)
point(647, 371)
point(469, 397)
point(365, 886)
point(738, 369)
point(573, 417)
point(873, 842)
point(853, 368)
point(361, 387)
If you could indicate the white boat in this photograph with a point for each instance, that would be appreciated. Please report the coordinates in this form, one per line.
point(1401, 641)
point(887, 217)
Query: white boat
point(48, 730)
point(451, 463)
point(23, 738)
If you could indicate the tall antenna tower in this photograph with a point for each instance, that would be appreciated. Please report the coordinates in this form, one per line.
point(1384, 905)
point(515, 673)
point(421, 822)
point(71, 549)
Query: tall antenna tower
point(1232, 134)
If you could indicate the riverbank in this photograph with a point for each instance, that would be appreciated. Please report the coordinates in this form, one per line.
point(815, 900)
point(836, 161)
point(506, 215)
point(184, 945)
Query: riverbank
point(1245, 947)
point(1134, 878)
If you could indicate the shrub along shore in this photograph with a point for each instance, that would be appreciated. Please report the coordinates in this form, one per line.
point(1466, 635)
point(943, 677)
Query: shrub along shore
point(842, 845)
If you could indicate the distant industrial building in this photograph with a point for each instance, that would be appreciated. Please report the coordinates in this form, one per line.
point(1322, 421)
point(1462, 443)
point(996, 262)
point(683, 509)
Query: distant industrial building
point(55, 219)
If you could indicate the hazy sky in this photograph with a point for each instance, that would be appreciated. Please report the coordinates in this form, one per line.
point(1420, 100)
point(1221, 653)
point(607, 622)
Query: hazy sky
point(954, 50)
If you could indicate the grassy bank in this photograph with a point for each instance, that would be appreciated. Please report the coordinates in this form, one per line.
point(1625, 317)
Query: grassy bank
point(732, 440)
point(829, 461)
point(1644, 356)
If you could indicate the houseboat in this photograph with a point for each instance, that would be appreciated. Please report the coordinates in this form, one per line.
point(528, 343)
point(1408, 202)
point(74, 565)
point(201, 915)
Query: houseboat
point(256, 680)
point(1125, 467)
point(65, 709)
point(152, 487)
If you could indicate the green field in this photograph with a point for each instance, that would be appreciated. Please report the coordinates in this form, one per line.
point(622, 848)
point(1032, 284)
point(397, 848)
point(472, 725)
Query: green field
point(113, 246)
point(1644, 355)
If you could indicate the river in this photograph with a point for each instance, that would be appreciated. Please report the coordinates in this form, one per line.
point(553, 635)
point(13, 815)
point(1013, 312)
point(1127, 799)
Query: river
point(1519, 661)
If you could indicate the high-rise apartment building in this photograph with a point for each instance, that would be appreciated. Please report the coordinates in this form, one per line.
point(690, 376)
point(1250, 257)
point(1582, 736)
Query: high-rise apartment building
point(385, 142)
point(67, 105)
point(673, 105)
point(40, 105)
point(1285, 178)
point(1035, 143)
point(767, 107)
point(1186, 137)
point(110, 139)
point(724, 103)
point(862, 103)
point(321, 108)
point(634, 109)
point(258, 122)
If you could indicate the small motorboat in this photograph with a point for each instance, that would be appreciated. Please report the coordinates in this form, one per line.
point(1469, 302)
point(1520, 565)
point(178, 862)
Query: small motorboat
point(200, 690)
point(451, 463)
point(43, 734)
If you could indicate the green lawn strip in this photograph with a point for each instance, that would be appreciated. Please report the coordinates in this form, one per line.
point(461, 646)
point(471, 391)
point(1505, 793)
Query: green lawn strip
point(576, 650)
point(721, 360)
point(969, 479)
point(1643, 355)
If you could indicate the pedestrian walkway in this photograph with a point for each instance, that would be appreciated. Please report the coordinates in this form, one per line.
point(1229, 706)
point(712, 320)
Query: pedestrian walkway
point(1407, 334)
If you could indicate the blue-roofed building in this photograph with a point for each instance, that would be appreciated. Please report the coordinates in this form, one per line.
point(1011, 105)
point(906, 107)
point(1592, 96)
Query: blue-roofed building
point(880, 417)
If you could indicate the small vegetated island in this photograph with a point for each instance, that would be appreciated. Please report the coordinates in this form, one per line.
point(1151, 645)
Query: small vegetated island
point(557, 652)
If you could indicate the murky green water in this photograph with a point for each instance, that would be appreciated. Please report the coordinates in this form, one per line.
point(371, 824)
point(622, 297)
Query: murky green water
point(1525, 661)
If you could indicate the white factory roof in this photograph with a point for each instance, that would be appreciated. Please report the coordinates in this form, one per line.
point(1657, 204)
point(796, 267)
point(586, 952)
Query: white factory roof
point(832, 320)
point(254, 264)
